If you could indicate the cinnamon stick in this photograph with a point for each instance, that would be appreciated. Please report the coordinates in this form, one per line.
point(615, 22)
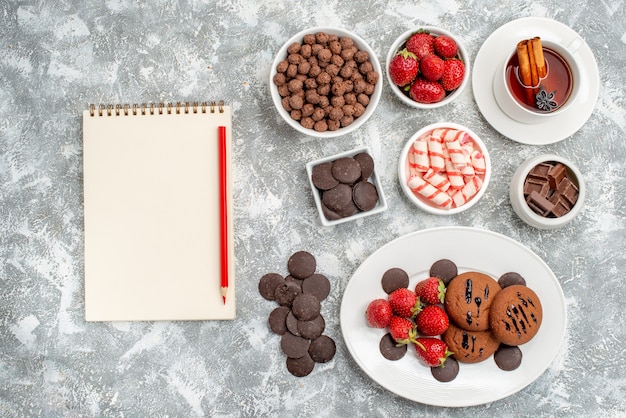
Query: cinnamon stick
point(539, 58)
point(533, 68)
point(523, 59)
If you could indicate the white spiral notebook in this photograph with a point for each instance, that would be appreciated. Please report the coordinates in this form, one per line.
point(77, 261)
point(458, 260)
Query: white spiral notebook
point(152, 213)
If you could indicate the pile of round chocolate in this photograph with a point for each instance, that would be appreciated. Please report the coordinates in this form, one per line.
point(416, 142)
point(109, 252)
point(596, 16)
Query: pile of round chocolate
point(298, 319)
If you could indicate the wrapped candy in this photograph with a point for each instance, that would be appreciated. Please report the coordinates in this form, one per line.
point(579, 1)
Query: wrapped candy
point(435, 153)
point(440, 181)
point(418, 157)
point(430, 192)
point(457, 155)
point(465, 194)
point(478, 162)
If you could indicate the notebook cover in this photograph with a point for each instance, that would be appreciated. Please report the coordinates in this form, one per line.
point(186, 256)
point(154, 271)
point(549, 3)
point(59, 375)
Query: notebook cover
point(152, 216)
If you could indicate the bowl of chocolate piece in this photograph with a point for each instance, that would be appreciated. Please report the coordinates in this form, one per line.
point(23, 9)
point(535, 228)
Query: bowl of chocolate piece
point(547, 191)
point(346, 187)
point(325, 82)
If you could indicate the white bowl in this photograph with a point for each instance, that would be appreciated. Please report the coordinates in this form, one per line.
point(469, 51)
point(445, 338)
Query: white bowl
point(422, 202)
point(381, 205)
point(518, 201)
point(462, 53)
point(374, 98)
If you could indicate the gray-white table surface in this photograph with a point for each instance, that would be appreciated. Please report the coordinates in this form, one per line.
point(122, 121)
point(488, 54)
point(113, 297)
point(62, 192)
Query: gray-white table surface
point(56, 57)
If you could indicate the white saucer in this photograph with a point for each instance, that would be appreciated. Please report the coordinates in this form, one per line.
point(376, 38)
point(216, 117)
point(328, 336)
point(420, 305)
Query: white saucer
point(501, 43)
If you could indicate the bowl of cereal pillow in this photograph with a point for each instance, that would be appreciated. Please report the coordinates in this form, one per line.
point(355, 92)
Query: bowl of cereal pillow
point(325, 82)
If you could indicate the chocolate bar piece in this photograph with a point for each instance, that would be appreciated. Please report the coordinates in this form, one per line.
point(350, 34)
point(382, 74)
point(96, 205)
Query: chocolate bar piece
point(556, 173)
point(561, 205)
point(540, 171)
point(568, 190)
point(539, 204)
point(538, 185)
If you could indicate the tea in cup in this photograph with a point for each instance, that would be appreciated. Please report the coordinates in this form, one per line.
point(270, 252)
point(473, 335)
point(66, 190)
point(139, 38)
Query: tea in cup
point(538, 80)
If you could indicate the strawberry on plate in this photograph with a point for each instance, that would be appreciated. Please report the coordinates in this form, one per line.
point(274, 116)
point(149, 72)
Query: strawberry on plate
point(432, 351)
point(432, 320)
point(402, 330)
point(431, 290)
point(424, 91)
point(404, 302)
point(378, 313)
point(445, 46)
point(421, 43)
point(453, 73)
point(403, 68)
point(431, 67)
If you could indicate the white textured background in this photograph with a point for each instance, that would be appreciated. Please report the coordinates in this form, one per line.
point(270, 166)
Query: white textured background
point(56, 57)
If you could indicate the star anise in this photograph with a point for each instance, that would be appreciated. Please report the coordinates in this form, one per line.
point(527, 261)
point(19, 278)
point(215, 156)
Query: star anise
point(545, 101)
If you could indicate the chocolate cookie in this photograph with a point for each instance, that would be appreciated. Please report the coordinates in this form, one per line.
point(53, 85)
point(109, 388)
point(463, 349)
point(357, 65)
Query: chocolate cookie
point(390, 349)
point(511, 278)
point(394, 278)
point(286, 293)
point(292, 324)
point(365, 195)
point(294, 346)
point(346, 169)
point(446, 372)
point(468, 300)
point(278, 320)
point(322, 176)
point(470, 346)
point(305, 307)
point(516, 315)
point(508, 357)
point(268, 284)
point(318, 285)
point(338, 198)
point(322, 349)
point(367, 164)
point(444, 269)
point(301, 265)
point(311, 329)
point(300, 367)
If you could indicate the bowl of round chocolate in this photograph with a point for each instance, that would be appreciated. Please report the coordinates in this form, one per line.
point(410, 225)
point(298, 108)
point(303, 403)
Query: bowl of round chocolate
point(346, 187)
point(547, 191)
point(427, 67)
point(325, 82)
point(444, 168)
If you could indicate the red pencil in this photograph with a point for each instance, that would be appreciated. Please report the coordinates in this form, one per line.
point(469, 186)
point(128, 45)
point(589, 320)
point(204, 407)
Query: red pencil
point(223, 211)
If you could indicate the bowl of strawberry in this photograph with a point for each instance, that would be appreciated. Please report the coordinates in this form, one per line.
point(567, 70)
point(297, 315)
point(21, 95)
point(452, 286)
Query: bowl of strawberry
point(427, 68)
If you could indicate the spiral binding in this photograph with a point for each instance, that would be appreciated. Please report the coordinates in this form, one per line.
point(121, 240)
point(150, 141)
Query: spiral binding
point(153, 108)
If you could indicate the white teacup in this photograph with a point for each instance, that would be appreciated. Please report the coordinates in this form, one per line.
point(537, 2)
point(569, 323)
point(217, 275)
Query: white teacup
point(509, 97)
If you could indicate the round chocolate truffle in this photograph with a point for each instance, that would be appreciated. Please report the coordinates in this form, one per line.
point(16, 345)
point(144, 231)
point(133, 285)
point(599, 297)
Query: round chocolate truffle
point(393, 279)
point(508, 357)
point(301, 264)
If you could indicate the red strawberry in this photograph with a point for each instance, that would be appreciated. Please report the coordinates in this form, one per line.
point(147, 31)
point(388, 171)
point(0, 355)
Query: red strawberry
point(404, 302)
point(445, 46)
point(432, 320)
point(424, 91)
point(431, 290)
point(402, 330)
point(421, 43)
point(431, 67)
point(453, 73)
point(378, 313)
point(403, 68)
point(432, 351)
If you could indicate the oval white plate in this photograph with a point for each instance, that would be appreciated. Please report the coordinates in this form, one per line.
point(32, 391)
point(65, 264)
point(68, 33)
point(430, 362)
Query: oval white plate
point(499, 45)
point(471, 249)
